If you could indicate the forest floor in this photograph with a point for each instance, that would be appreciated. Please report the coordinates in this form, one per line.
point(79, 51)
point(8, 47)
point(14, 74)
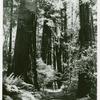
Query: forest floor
point(58, 95)
point(16, 89)
point(27, 93)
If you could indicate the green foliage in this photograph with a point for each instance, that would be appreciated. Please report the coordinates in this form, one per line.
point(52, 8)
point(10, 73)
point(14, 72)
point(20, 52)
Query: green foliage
point(93, 91)
point(70, 68)
point(45, 72)
point(14, 84)
point(11, 79)
point(14, 88)
point(87, 61)
point(87, 64)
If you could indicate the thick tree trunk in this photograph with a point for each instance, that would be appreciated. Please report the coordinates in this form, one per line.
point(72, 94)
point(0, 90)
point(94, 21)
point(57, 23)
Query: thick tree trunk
point(25, 45)
point(85, 39)
point(86, 31)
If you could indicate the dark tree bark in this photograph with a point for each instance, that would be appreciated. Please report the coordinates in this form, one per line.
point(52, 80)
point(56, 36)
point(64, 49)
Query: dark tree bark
point(25, 45)
point(86, 31)
point(34, 53)
point(59, 64)
point(65, 22)
point(84, 85)
point(85, 39)
point(46, 44)
point(59, 47)
point(65, 53)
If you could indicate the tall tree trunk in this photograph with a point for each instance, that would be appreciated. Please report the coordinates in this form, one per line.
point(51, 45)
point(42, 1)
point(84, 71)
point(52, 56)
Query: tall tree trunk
point(65, 53)
point(59, 51)
point(34, 54)
point(10, 39)
point(46, 44)
point(85, 38)
point(86, 31)
point(59, 65)
point(65, 22)
point(25, 45)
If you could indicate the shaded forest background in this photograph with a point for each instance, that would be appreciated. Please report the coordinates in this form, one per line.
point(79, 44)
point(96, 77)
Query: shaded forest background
point(51, 44)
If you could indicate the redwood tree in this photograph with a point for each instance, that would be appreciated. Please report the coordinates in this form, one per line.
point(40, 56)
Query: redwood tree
point(25, 44)
point(85, 39)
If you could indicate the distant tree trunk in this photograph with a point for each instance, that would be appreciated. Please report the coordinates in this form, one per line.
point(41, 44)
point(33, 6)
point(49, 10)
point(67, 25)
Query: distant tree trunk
point(52, 51)
point(85, 39)
point(49, 61)
point(65, 22)
point(59, 65)
point(54, 59)
point(65, 53)
point(10, 39)
point(46, 44)
point(59, 48)
point(92, 27)
point(34, 53)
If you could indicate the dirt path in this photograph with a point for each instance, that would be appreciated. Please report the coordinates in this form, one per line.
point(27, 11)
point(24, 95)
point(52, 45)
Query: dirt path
point(58, 95)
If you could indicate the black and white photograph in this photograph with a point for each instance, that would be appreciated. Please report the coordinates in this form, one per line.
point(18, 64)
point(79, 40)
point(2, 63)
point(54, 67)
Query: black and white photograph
point(49, 50)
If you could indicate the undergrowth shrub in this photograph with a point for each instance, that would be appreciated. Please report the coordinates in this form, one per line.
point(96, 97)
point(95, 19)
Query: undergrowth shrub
point(11, 79)
point(86, 68)
point(93, 91)
point(46, 73)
